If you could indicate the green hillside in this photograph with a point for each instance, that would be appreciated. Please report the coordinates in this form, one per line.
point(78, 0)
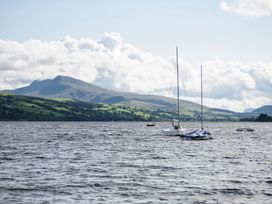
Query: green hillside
point(19, 107)
point(158, 107)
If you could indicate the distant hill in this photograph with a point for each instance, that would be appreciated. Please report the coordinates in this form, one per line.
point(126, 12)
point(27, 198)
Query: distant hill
point(222, 110)
point(249, 110)
point(71, 88)
point(264, 110)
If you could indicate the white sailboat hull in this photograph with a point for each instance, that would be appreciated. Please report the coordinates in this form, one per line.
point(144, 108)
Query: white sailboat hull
point(174, 132)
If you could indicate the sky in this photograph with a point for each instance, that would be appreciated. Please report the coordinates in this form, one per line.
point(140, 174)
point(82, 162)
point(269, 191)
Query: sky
point(129, 45)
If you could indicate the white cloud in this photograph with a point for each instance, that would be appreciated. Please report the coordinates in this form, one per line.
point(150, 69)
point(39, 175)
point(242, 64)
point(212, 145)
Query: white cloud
point(112, 63)
point(108, 61)
point(237, 85)
point(254, 8)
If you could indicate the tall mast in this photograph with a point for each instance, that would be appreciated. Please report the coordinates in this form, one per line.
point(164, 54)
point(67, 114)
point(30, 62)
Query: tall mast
point(201, 98)
point(177, 81)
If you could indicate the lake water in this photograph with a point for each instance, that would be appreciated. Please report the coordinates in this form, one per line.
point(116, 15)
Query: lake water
point(127, 162)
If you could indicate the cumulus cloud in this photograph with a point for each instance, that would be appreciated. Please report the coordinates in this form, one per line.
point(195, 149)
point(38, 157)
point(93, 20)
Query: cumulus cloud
point(237, 85)
point(253, 8)
point(114, 64)
point(107, 61)
point(230, 84)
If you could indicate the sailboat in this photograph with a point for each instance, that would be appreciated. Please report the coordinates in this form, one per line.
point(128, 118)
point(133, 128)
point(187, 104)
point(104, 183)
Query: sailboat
point(199, 134)
point(176, 129)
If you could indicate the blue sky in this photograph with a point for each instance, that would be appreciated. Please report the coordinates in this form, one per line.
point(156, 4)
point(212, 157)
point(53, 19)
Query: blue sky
point(129, 45)
point(199, 27)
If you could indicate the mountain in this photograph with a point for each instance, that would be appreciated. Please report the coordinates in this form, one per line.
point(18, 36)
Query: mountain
point(264, 110)
point(70, 88)
point(64, 87)
point(61, 86)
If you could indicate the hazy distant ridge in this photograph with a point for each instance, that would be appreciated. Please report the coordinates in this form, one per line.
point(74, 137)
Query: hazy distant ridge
point(267, 109)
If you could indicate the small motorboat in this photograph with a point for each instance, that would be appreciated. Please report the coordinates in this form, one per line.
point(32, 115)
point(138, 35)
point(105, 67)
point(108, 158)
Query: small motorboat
point(150, 124)
point(245, 130)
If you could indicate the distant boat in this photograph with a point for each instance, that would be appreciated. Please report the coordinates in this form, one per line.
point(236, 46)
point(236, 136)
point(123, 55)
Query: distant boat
point(150, 124)
point(199, 134)
point(176, 129)
point(245, 130)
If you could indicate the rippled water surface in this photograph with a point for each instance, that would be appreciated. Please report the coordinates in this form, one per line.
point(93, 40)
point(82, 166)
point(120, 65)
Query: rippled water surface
point(127, 162)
